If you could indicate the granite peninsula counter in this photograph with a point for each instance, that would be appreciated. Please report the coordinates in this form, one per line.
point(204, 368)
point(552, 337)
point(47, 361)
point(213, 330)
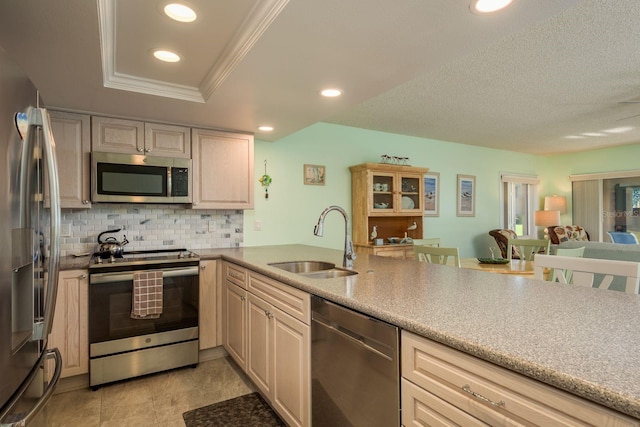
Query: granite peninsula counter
point(584, 341)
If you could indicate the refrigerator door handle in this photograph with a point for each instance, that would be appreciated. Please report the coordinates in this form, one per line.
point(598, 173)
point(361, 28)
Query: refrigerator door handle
point(22, 419)
point(40, 117)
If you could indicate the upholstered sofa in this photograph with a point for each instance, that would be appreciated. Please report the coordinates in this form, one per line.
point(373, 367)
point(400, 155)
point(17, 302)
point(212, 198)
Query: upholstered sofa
point(564, 233)
point(605, 250)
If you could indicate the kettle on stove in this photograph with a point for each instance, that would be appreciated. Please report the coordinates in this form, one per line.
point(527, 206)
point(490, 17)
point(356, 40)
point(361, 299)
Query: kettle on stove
point(111, 247)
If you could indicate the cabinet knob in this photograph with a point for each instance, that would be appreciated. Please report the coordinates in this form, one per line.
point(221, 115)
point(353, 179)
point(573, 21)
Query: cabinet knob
point(147, 150)
point(85, 202)
point(242, 298)
point(202, 267)
point(84, 276)
point(140, 150)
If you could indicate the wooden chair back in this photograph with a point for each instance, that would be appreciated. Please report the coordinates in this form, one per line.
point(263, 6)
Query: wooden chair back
point(527, 248)
point(571, 252)
point(585, 270)
point(436, 255)
point(431, 241)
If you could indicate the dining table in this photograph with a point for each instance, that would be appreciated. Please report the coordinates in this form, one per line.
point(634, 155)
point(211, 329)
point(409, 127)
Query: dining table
point(514, 267)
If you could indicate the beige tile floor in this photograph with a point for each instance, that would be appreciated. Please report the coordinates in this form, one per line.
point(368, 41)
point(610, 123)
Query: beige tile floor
point(155, 400)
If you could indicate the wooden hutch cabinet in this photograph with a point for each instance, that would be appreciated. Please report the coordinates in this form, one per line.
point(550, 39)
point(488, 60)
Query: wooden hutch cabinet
point(390, 197)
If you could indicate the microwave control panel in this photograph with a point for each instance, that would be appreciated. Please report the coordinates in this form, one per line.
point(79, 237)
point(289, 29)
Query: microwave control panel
point(179, 182)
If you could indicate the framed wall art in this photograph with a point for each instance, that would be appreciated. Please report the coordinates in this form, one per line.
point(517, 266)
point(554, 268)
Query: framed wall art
point(432, 194)
point(466, 197)
point(314, 175)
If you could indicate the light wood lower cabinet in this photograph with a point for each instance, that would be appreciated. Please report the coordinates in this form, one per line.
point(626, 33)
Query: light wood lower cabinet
point(69, 332)
point(208, 312)
point(275, 318)
point(443, 386)
point(234, 316)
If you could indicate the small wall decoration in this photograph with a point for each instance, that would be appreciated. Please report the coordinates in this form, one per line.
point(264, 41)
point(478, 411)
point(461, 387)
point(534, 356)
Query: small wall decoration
point(466, 199)
point(265, 180)
point(314, 174)
point(432, 194)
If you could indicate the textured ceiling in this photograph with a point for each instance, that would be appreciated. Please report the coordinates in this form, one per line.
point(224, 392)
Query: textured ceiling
point(523, 80)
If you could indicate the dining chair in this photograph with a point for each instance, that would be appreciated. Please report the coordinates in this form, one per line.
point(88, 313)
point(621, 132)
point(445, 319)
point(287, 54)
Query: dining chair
point(623, 237)
point(436, 255)
point(525, 249)
point(587, 270)
point(430, 241)
point(570, 252)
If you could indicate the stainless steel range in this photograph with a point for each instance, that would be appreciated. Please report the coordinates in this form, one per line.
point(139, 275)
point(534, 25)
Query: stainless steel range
point(123, 344)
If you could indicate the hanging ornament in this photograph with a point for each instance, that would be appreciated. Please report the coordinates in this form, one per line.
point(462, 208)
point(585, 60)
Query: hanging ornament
point(265, 180)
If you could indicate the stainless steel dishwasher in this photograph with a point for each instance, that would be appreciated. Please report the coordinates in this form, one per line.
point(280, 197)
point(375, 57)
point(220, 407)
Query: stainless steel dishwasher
point(354, 368)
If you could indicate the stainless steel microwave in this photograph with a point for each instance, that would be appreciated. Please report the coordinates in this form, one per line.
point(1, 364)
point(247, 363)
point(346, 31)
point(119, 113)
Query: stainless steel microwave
point(132, 178)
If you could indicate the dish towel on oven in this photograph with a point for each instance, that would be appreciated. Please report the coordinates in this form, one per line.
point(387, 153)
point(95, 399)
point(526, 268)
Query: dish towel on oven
point(147, 295)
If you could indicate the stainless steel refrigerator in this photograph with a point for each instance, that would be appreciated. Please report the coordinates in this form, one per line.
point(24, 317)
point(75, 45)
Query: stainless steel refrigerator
point(29, 255)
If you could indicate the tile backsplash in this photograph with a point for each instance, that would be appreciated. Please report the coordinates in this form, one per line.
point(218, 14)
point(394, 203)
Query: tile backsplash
point(150, 227)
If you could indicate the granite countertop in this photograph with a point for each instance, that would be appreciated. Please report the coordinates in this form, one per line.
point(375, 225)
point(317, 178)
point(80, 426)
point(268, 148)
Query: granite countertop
point(585, 341)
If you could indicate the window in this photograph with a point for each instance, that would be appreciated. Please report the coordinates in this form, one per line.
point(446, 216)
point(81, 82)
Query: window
point(519, 198)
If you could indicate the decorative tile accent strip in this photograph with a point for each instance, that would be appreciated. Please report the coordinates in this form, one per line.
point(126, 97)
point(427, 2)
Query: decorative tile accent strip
point(152, 227)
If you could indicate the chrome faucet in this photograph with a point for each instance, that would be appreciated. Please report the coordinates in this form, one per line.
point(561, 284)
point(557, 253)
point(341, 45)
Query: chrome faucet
point(318, 230)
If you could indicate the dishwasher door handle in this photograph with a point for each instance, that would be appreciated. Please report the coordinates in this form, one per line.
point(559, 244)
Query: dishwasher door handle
point(358, 340)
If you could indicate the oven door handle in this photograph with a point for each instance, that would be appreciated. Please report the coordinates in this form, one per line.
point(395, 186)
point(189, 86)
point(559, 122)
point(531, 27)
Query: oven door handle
point(95, 279)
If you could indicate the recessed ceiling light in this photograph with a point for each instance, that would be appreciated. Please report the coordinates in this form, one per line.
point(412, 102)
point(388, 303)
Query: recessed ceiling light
point(166, 55)
point(488, 6)
point(331, 93)
point(180, 12)
point(593, 134)
point(265, 128)
point(621, 129)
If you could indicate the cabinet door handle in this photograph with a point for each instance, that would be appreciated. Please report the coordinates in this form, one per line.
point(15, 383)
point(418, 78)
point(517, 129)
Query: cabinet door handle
point(467, 389)
point(140, 150)
point(202, 267)
point(83, 276)
point(85, 202)
point(242, 298)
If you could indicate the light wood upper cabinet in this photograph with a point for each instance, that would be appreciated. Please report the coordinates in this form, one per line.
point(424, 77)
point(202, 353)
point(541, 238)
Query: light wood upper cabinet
point(69, 332)
point(167, 140)
point(390, 197)
point(222, 170)
point(113, 135)
point(209, 302)
point(72, 135)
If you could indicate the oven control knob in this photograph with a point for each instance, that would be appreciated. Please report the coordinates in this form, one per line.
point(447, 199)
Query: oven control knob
point(181, 255)
point(112, 259)
point(98, 260)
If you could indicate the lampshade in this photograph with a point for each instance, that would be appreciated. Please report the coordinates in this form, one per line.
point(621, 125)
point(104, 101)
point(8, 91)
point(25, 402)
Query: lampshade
point(547, 218)
point(555, 203)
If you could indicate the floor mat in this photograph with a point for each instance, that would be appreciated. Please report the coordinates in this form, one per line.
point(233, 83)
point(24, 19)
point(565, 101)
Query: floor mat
point(249, 410)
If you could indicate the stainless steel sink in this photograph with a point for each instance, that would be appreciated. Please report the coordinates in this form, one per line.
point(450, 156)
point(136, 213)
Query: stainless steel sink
point(328, 274)
point(313, 269)
point(303, 266)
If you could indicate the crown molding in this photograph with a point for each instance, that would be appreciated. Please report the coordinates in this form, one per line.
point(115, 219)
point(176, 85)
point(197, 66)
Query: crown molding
point(252, 28)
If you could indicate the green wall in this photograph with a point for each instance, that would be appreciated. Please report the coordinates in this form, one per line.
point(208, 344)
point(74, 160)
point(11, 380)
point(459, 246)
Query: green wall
point(292, 209)
point(560, 167)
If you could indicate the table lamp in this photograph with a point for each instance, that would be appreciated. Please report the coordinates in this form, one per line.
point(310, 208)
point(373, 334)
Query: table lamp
point(546, 219)
point(555, 203)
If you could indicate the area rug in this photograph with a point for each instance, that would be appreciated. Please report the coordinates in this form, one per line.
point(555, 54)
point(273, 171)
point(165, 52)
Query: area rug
point(249, 410)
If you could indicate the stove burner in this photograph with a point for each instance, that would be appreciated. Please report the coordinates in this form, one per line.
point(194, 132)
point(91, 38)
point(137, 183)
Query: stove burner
point(158, 256)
